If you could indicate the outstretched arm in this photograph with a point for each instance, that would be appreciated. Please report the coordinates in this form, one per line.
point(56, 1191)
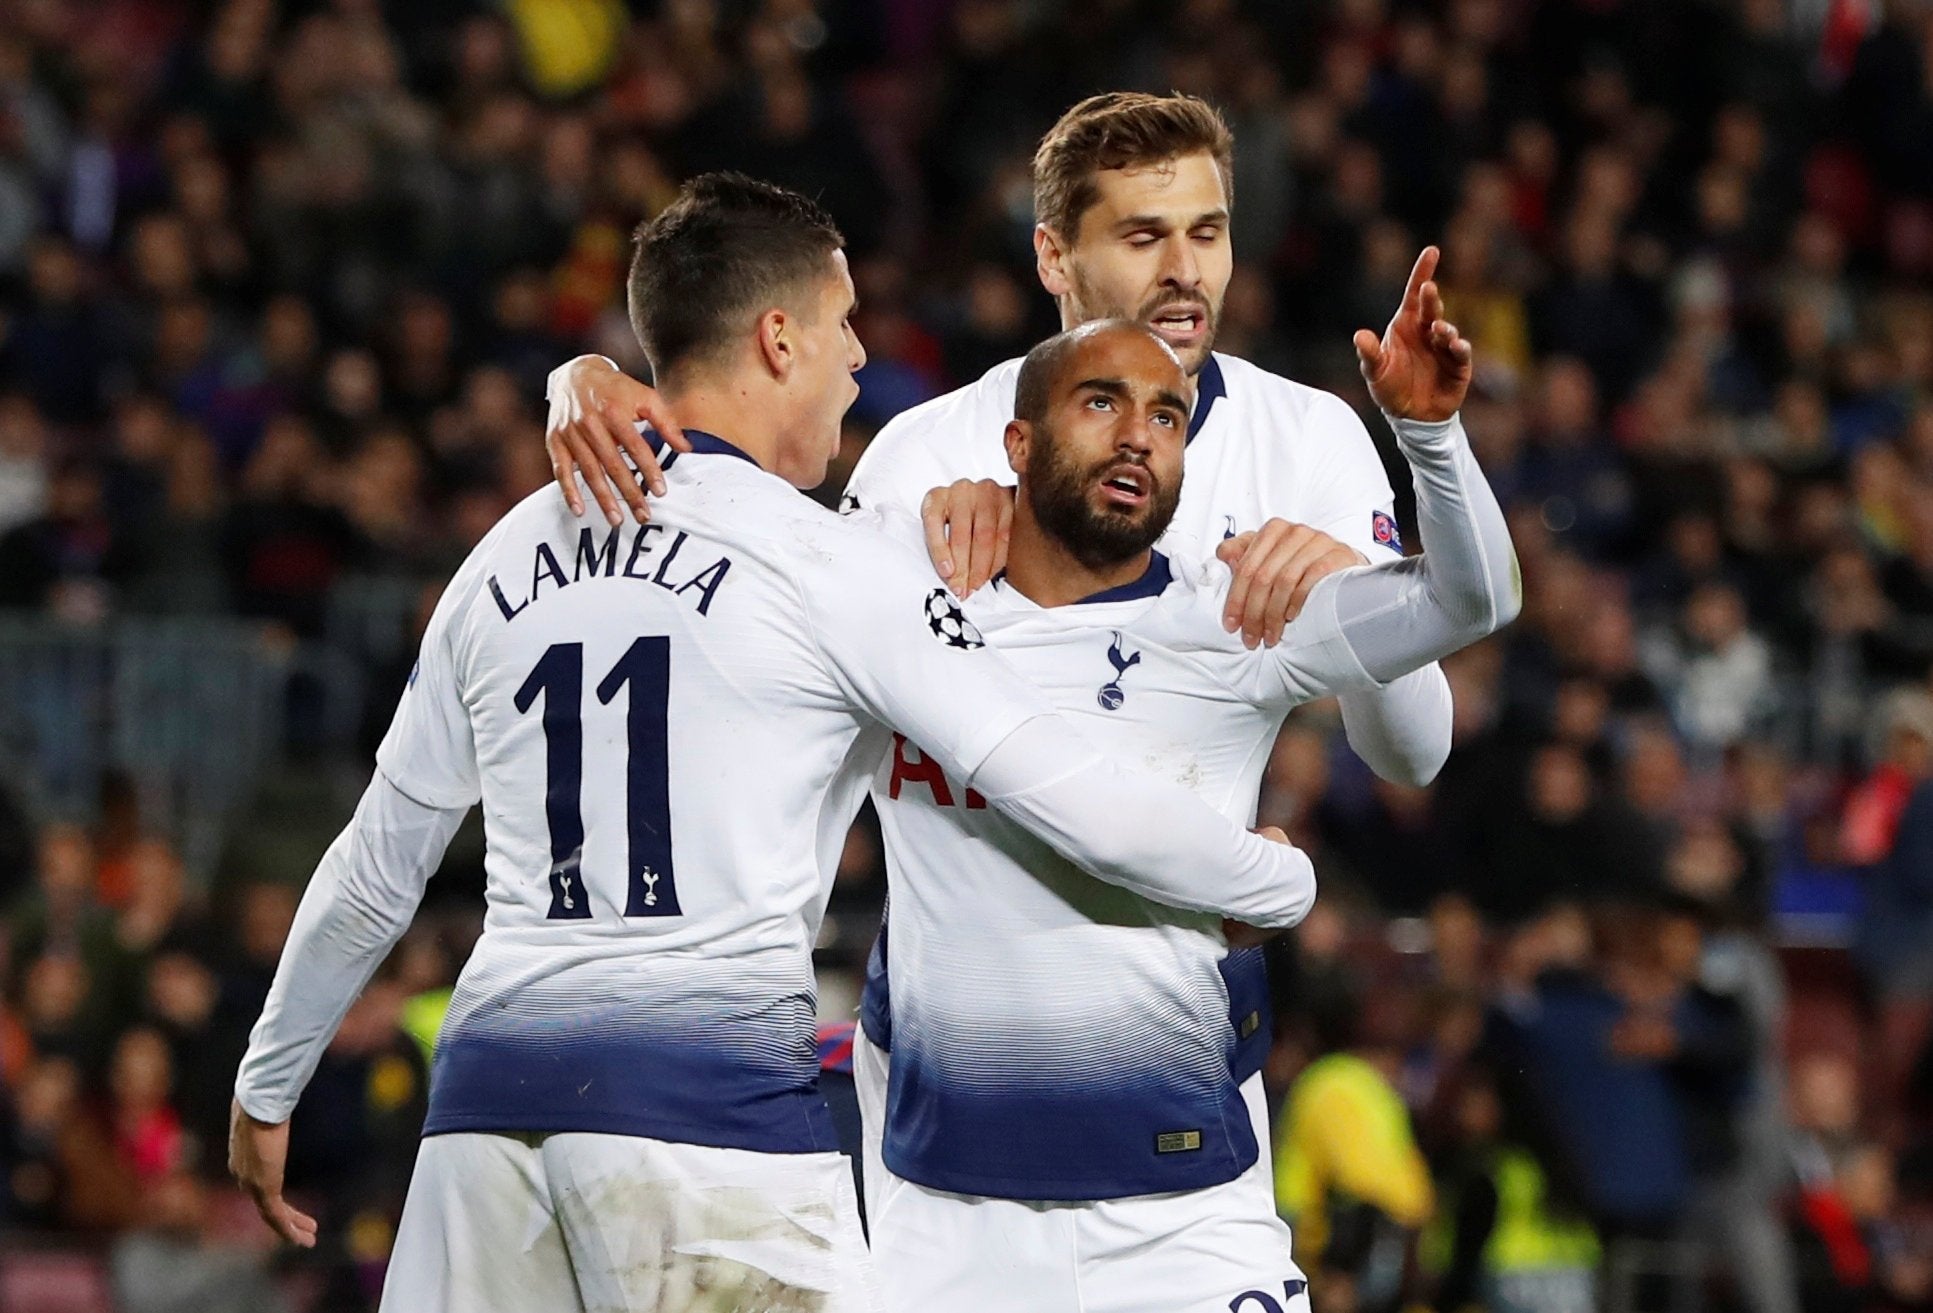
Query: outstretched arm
point(1370, 627)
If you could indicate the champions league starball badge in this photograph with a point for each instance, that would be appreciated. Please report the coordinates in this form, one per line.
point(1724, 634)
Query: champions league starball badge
point(949, 623)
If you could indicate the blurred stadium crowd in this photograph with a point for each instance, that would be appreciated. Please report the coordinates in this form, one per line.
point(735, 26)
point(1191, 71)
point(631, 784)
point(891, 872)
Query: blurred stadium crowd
point(1630, 1005)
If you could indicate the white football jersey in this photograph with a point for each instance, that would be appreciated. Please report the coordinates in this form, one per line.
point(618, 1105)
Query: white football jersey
point(670, 728)
point(1260, 446)
point(1054, 1037)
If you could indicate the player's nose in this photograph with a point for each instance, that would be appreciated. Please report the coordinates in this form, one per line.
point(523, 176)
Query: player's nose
point(855, 352)
point(1179, 267)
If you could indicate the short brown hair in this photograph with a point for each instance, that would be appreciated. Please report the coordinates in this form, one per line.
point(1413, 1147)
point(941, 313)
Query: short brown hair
point(729, 247)
point(1120, 130)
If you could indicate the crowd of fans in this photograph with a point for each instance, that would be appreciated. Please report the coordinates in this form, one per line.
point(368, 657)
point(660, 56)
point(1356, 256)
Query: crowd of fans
point(282, 282)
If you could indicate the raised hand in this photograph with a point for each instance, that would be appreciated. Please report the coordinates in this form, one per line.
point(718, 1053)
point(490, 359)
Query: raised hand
point(594, 409)
point(1420, 367)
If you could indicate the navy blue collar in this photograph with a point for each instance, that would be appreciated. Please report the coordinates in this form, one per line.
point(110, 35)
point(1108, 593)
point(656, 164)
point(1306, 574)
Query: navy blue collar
point(702, 444)
point(1210, 387)
point(1152, 583)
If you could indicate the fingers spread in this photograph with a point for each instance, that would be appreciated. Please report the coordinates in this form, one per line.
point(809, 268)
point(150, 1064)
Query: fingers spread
point(617, 436)
point(564, 469)
point(651, 408)
point(650, 474)
point(590, 467)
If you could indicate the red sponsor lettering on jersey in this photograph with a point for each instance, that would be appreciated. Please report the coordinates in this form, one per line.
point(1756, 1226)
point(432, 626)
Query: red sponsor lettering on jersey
point(911, 766)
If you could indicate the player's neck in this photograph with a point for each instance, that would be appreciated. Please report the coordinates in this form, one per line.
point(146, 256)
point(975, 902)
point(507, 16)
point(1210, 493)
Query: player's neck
point(1045, 571)
point(733, 414)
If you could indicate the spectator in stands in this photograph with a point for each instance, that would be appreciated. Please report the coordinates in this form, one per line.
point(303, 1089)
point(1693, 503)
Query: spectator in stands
point(146, 1128)
point(180, 1000)
point(1565, 839)
point(63, 561)
point(1895, 938)
point(1348, 1174)
point(1870, 822)
point(1595, 1046)
point(1716, 671)
point(1503, 1241)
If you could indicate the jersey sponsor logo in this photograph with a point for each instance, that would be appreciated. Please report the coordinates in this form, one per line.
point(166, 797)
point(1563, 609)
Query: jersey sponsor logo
point(1382, 526)
point(1177, 1142)
point(1111, 697)
point(911, 766)
point(949, 623)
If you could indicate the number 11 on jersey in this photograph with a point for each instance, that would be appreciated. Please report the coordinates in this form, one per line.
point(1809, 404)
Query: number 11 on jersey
point(651, 886)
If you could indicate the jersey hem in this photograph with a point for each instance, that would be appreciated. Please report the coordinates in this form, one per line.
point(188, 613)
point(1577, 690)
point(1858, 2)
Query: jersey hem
point(1060, 1190)
point(819, 1140)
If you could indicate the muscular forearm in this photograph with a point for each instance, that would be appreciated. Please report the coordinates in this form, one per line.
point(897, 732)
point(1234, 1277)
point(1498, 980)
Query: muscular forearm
point(1142, 833)
point(359, 902)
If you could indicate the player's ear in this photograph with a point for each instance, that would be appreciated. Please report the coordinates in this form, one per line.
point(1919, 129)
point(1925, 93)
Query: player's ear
point(1050, 261)
point(1019, 439)
point(776, 341)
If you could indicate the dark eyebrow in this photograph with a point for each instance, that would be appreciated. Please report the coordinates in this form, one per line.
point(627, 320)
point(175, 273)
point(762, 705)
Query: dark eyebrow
point(1112, 387)
point(1174, 399)
point(1135, 222)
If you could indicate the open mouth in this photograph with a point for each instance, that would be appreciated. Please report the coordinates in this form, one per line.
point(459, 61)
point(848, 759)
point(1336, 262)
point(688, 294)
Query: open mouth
point(1179, 324)
point(1126, 485)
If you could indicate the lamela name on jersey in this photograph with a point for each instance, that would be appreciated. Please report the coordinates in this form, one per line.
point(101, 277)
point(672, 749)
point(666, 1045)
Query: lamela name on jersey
point(648, 557)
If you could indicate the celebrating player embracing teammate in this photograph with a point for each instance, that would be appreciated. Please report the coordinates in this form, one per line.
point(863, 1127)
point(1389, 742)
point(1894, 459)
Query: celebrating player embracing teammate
point(670, 728)
point(1132, 201)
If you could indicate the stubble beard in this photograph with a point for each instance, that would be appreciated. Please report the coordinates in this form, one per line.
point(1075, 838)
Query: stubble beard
point(1086, 306)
